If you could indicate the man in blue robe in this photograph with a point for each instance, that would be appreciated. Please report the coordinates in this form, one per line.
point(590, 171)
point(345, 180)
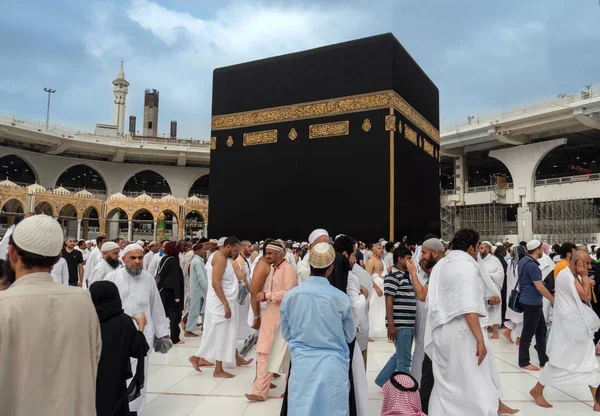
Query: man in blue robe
point(317, 323)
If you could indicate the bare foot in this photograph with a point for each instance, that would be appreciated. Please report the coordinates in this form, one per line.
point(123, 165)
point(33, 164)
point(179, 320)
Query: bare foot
point(182, 325)
point(390, 341)
point(239, 361)
point(223, 374)
point(189, 334)
point(180, 343)
point(530, 368)
point(371, 340)
point(254, 398)
point(495, 336)
point(598, 350)
point(276, 376)
point(272, 386)
point(596, 407)
point(506, 334)
point(505, 410)
point(518, 341)
point(194, 360)
point(539, 398)
point(282, 396)
point(203, 363)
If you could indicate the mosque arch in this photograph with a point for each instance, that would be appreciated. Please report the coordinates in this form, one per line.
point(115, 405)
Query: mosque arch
point(68, 211)
point(143, 224)
point(580, 156)
point(148, 181)
point(13, 211)
point(90, 224)
point(484, 170)
point(82, 176)
point(44, 207)
point(117, 223)
point(17, 170)
point(200, 186)
point(194, 223)
point(170, 223)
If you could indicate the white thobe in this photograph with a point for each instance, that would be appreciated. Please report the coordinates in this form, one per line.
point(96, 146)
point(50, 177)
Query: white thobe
point(244, 329)
point(571, 342)
point(377, 310)
point(419, 352)
point(495, 270)
point(60, 272)
point(100, 272)
point(303, 269)
point(457, 287)
point(219, 340)
point(289, 256)
point(514, 320)
point(546, 267)
point(140, 294)
point(92, 260)
point(148, 257)
point(360, 310)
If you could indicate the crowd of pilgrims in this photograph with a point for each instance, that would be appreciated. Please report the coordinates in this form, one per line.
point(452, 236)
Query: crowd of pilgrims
point(305, 310)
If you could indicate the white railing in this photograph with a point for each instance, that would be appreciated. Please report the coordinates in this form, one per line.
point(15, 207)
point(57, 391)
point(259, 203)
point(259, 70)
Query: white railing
point(559, 101)
point(568, 179)
point(119, 141)
point(488, 188)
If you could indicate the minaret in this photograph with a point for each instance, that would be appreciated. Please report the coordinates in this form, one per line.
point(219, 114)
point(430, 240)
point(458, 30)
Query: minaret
point(120, 86)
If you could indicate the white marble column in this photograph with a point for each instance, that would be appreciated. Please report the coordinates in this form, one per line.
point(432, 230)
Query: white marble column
point(154, 231)
point(78, 229)
point(129, 230)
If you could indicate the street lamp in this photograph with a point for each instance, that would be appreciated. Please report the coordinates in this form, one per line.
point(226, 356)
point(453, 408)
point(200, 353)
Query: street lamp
point(49, 91)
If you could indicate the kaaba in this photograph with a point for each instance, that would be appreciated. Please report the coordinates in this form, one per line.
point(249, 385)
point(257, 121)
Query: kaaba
point(343, 137)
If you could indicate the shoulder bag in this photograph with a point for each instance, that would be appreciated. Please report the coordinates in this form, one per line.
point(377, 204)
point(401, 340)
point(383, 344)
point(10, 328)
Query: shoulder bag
point(514, 299)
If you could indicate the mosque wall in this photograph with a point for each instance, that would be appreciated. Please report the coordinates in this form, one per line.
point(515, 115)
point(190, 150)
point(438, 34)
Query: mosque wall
point(48, 169)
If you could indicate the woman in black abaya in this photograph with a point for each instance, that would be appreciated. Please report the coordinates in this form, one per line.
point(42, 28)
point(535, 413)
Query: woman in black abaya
point(121, 340)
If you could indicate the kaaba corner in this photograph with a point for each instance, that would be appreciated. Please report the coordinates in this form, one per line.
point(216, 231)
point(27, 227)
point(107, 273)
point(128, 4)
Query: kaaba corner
point(343, 137)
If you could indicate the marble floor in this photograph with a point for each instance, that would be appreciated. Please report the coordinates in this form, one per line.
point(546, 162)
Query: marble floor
point(175, 389)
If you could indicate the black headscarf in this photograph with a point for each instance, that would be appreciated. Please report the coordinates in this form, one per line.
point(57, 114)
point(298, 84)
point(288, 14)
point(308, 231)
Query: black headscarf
point(106, 298)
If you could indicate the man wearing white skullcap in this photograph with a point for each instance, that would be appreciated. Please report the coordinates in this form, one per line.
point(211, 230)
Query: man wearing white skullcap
point(303, 268)
point(493, 267)
point(318, 382)
point(62, 330)
point(139, 294)
point(93, 259)
point(108, 264)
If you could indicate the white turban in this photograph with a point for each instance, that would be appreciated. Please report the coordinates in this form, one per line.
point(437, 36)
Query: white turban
point(319, 232)
point(131, 247)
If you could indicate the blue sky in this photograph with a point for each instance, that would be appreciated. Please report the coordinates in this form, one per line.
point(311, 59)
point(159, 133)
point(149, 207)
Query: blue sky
point(484, 56)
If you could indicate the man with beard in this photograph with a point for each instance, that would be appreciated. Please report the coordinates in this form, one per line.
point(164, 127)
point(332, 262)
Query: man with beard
point(282, 279)
point(93, 258)
point(153, 248)
point(220, 330)
point(51, 367)
point(431, 251)
point(139, 293)
point(108, 264)
point(494, 269)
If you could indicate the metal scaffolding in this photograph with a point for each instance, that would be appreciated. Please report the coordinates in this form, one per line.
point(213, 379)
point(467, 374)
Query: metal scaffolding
point(489, 220)
point(573, 220)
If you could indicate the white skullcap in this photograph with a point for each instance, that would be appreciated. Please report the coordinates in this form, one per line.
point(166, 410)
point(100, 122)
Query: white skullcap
point(319, 232)
point(39, 234)
point(213, 241)
point(139, 242)
point(498, 244)
point(322, 255)
point(533, 244)
point(108, 246)
point(221, 241)
point(131, 247)
point(487, 243)
point(434, 244)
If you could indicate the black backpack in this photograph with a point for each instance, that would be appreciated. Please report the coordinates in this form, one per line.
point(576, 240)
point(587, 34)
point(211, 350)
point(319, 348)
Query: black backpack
point(549, 282)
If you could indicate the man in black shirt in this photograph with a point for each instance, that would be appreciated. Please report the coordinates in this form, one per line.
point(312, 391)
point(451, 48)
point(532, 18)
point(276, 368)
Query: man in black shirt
point(74, 260)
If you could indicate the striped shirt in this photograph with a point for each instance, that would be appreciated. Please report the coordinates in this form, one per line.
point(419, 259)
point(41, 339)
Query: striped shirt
point(399, 285)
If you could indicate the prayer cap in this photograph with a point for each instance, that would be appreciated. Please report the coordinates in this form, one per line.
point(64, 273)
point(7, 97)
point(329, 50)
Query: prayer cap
point(487, 243)
point(131, 247)
point(322, 256)
point(108, 246)
point(39, 234)
point(70, 237)
point(533, 244)
point(319, 232)
point(139, 242)
point(221, 241)
point(296, 245)
point(434, 244)
point(213, 241)
point(151, 243)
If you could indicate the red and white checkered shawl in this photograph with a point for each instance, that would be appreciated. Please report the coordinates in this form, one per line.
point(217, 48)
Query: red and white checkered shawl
point(401, 403)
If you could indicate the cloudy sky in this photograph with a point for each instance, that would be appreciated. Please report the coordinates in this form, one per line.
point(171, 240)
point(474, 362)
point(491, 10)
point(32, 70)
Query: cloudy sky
point(484, 56)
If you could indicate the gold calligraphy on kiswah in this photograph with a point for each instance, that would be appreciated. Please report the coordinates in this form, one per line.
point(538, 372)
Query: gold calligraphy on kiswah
point(338, 128)
point(260, 137)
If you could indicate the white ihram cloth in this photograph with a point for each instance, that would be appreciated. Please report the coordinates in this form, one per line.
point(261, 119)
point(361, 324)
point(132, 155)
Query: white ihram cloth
point(457, 287)
point(416, 367)
point(139, 294)
point(495, 271)
point(360, 307)
point(571, 342)
point(220, 334)
point(514, 320)
point(244, 329)
point(546, 266)
point(148, 257)
point(60, 272)
point(101, 270)
point(303, 269)
point(377, 310)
